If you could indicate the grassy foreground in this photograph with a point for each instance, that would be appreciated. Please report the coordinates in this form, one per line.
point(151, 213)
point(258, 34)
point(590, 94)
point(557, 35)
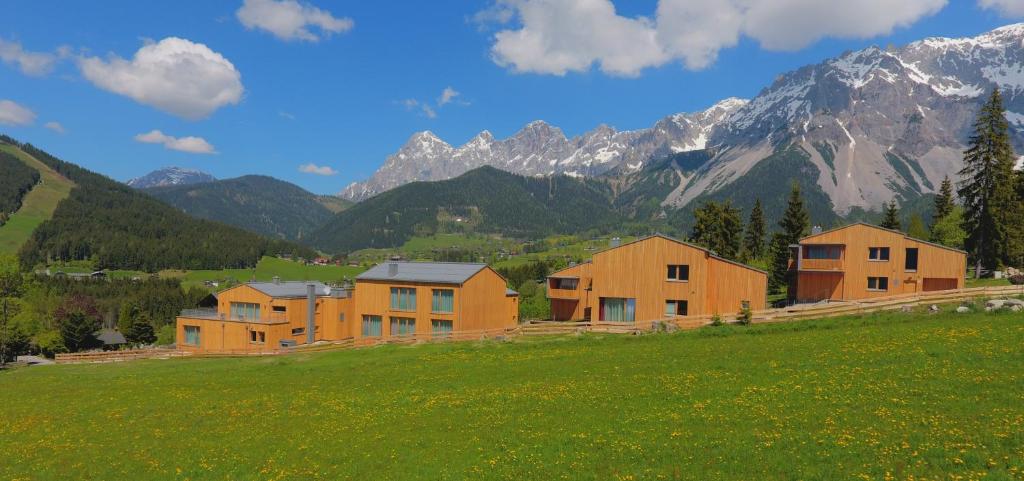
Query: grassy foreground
point(38, 205)
point(889, 396)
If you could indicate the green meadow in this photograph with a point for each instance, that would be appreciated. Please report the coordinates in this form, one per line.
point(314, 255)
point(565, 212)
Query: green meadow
point(38, 205)
point(266, 269)
point(885, 396)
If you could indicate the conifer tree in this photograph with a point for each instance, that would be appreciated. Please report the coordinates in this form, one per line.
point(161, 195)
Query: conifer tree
point(892, 216)
point(718, 227)
point(778, 270)
point(753, 242)
point(796, 222)
point(986, 187)
point(943, 200)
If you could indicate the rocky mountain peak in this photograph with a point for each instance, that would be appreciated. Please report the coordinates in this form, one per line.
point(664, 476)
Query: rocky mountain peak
point(170, 176)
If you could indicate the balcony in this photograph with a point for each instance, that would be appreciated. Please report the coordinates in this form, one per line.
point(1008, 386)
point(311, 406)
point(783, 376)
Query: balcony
point(214, 315)
point(564, 288)
point(830, 265)
point(820, 258)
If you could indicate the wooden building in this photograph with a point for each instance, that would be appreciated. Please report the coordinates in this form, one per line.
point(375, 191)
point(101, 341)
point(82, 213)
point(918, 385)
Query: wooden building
point(654, 278)
point(861, 261)
point(398, 299)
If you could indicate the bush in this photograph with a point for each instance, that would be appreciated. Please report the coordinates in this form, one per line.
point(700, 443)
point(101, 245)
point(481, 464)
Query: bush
point(745, 316)
point(716, 320)
point(49, 343)
point(165, 336)
point(1017, 280)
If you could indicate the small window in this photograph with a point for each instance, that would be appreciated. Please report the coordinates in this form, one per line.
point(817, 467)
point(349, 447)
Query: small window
point(403, 326)
point(910, 263)
point(280, 309)
point(440, 327)
point(878, 283)
point(341, 317)
point(443, 301)
point(257, 337)
point(298, 331)
point(675, 308)
point(880, 254)
point(678, 272)
point(403, 298)
point(192, 335)
point(371, 326)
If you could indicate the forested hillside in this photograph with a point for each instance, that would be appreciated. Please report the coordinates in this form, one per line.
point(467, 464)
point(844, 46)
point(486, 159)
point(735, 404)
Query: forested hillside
point(256, 203)
point(120, 228)
point(482, 200)
point(16, 181)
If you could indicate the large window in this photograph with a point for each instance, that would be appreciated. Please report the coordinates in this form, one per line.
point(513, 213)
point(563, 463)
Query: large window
point(618, 310)
point(822, 252)
point(878, 253)
point(563, 283)
point(678, 272)
point(403, 326)
point(910, 264)
point(403, 298)
point(675, 308)
point(878, 283)
point(440, 327)
point(192, 335)
point(443, 301)
point(371, 326)
point(245, 311)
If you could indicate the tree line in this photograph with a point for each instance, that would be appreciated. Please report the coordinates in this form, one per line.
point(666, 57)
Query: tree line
point(16, 181)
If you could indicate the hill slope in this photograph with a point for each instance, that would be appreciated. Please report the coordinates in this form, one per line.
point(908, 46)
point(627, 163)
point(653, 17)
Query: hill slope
point(37, 205)
point(482, 200)
point(121, 228)
point(170, 176)
point(257, 203)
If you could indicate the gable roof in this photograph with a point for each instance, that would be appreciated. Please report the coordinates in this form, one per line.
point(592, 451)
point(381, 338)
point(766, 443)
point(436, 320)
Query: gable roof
point(893, 231)
point(430, 272)
point(111, 337)
point(707, 251)
point(289, 288)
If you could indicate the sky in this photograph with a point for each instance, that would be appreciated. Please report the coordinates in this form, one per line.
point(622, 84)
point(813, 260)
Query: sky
point(320, 92)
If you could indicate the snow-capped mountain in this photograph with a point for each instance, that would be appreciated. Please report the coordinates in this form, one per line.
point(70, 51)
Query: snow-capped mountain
point(869, 126)
point(542, 149)
point(170, 176)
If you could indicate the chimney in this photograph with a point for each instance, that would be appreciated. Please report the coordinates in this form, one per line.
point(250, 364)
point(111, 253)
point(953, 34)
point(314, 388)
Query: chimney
point(277, 280)
point(816, 230)
point(310, 313)
point(392, 269)
point(615, 242)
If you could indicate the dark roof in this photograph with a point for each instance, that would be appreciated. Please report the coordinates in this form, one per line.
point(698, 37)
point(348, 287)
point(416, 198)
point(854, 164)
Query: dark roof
point(289, 288)
point(710, 252)
point(111, 337)
point(436, 272)
point(510, 293)
point(894, 231)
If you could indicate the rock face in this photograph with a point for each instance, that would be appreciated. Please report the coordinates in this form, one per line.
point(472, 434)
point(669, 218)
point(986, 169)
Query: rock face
point(877, 124)
point(170, 176)
point(542, 149)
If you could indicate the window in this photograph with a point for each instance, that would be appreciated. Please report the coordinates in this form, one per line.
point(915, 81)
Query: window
point(440, 327)
point(618, 310)
point(371, 326)
point(878, 253)
point(443, 301)
point(403, 326)
point(910, 263)
point(341, 317)
point(403, 298)
point(675, 308)
point(257, 337)
point(822, 252)
point(245, 311)
point(678, 272)
point(279, 309)
point(878, 283)
point(297, 331)
point(192, 335)
point(562, 283)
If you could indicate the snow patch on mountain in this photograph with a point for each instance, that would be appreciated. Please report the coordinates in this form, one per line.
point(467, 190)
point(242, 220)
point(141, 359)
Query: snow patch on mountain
point(170, 176)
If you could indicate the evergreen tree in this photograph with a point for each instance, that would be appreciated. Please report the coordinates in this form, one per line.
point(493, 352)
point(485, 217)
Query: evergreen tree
point(718, 227)
point(78, 319)
point(943, 200)
point(141, 331)
point(796, 222)
point(753, 242)
point(11, 284)
point(705, 225)
point(916, 228)
point(892, 216)
point(778, 270)
point(986, 187)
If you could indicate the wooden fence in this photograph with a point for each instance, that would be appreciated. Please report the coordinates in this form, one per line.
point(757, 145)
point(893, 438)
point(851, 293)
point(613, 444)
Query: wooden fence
point(549, 328)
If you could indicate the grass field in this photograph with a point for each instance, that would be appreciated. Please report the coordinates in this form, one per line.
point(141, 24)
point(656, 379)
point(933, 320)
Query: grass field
point(888, 396)
point(265, 270)
point(38, 205)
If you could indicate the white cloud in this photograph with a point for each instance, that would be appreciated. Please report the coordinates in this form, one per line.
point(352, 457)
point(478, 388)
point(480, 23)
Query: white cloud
point(175, 75)
point(192, 145)
point(55, 126)
point(290, 20)
point(35, 64)
point(318, 170)
point(15, 115)
point(447, 95)
point(560, 36)
point(1006, 8)
point(286, 115)
point(429, 111)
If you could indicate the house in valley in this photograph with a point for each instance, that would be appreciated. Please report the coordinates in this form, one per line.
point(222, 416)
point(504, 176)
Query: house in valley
point(861, 261)
point(654, 278)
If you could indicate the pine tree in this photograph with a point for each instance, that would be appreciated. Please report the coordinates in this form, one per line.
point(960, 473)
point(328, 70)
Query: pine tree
point(705, 225)
point(796, 222)
point(753, 242)
point(916, 228)
point(943, 200)
point(986, 187)
point(892, 216)
point(730, 236)
point(719, 228)
point(778, 270)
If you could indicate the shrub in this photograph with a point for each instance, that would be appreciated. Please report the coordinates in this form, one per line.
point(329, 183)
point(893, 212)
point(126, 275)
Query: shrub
point(1017, 280)
point(745, 316)
point(165, 336)
point(716, 320)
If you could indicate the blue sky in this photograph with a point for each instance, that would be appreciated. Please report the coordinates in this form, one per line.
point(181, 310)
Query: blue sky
point(341, 99)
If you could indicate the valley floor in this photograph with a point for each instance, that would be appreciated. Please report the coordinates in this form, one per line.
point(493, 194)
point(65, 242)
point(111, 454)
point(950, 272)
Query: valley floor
point(885, 396)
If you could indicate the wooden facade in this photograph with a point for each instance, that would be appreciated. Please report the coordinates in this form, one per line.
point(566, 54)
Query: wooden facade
point(646, 277)
point(862, 261)
point(481, 302)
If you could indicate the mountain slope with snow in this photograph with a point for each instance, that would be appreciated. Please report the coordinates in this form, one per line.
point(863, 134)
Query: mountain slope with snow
point(170, 176)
